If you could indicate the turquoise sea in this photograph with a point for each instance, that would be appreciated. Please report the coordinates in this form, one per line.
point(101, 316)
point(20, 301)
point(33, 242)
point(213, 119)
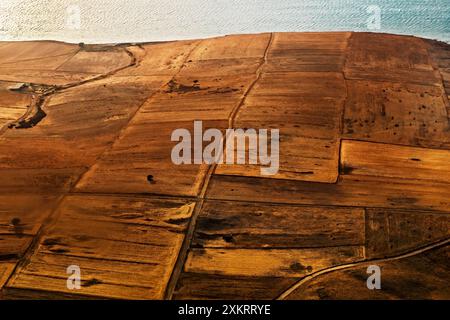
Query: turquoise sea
point(106, 21)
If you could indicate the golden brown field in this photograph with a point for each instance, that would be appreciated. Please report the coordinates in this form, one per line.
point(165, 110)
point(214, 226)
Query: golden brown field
point(86, 176)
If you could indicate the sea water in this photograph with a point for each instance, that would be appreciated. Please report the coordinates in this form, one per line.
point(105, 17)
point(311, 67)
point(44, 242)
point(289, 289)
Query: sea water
point(109, 21)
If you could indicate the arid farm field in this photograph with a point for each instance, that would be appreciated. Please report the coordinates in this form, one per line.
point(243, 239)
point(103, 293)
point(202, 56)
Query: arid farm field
point(86, 176)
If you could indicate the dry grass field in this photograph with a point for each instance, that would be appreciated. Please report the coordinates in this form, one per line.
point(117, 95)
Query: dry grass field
point(86, 176)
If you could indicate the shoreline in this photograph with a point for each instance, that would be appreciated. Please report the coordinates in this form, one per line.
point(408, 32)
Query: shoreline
point(88, 177)
point(222, 36)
